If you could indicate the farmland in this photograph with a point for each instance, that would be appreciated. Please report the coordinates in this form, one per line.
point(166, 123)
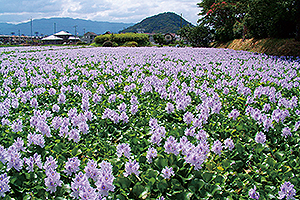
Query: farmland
point(148, 123)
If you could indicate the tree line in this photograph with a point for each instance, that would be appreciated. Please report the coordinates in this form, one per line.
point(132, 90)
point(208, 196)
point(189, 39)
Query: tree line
point(223, 21)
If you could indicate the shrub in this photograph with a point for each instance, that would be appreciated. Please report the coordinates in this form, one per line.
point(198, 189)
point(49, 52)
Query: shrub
point(131, 44)
point(122, 38)
point(107, 44)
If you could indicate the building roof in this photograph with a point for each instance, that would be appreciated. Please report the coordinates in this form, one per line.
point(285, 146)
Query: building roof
point(61, 33)
point(52, 37)
point(73, 38)
point(90, 33)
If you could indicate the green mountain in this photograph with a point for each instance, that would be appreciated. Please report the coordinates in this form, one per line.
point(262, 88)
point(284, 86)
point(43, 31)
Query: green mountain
point(167, 22)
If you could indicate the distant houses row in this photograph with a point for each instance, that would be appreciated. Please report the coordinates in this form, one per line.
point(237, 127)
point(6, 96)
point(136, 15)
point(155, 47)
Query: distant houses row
point(64, 37)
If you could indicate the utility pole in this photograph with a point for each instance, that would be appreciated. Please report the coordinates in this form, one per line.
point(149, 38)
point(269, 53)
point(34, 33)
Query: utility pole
point(31, 31)
point(75, 31)
point(54, 30)
point(19, 36)
point(181, 21)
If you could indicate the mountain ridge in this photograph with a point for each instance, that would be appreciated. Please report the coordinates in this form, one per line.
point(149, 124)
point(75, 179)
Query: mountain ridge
point(46, 26)
point(167, 22)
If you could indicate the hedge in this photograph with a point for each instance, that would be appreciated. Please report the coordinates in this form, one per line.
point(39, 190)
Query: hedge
point(122, 38)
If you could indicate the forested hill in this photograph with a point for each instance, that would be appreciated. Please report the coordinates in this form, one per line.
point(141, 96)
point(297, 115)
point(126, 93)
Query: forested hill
point(162, 23)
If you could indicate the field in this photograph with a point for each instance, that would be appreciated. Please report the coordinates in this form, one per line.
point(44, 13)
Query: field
point(148, 123)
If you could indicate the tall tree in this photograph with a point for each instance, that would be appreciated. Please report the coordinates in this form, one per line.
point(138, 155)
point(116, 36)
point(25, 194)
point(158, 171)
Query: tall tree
point(250, 18)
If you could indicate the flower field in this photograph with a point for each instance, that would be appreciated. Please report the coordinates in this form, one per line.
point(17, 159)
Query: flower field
point(148, 123)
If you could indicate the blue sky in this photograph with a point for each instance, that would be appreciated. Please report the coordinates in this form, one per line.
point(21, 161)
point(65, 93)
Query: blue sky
point(15, 11)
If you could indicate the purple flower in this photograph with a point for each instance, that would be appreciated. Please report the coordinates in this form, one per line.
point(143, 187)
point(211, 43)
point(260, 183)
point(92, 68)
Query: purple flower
point(32, 160)
point(124, 117)
point(229, 144)
point(55, 108)
point(61, 98)
point(83, 127)
point(133, 109)
point(190, 131)
point(17, 126)
point(88, 193)
point(260, 138)
point(156, 138)
point(297, 125)
point(14, 158)
point(74, 134)
point(287, 190)
point(201, 135)
point(112, 98)
point(169, 108)
point(4, 184)
point(34, 103)
point(72, 166)
point(171, 146)
point(105, 179)
point(253, 194)
point(52, 91)
point(50, 164)
point(122, 107)
point(286, 131)
point(234, 114)
point(217, 147)
point(188, 117)
point(131, 167)
point(91, 170)
point(167, 172)
point(3, 154)
point(123, 149)
point(79, 183)
point(151, 153)
point(52, 180)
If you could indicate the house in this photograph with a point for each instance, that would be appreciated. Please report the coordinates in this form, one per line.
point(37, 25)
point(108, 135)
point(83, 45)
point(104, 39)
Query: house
point(64, 35)
point(52, 39)
point(89, 37)
point(73, 40)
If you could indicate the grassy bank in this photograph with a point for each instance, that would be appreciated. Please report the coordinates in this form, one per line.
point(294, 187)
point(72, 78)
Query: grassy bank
point(270, 46)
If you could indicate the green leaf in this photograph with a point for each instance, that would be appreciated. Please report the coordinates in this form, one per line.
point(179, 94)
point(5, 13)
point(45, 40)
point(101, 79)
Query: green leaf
point(207, 177)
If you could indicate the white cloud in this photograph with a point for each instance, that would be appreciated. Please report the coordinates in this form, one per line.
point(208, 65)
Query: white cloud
point(105, 10)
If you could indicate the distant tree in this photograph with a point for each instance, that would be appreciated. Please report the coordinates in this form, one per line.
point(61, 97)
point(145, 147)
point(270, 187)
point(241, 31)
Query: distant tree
point(198, 36)
point(250, 18)
point(159, 38)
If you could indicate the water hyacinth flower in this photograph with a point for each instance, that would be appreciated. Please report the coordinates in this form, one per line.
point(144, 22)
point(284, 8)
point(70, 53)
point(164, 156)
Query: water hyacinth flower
point(123, 148)
point(72, 166)
point(4, 184)
point(260, 138)
point(151, 153)
point(3, 154)
point(171, 146)
point(234, 114)
point(17, 126)
point(131, 167)
point(253, 194)
point(34, 103)
point(91, 170)
point(33, 160)
point(55, 108)
point(286, 131)
point(188, 117)
point(287, 190)
point(61, 98)
point(217, 147)
point(79, 183)
point(36, 139)
point(167, 172)
point(169, 107)
point(14, 159)
point(229, 144)
point(105, 180)
point(52, 180)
